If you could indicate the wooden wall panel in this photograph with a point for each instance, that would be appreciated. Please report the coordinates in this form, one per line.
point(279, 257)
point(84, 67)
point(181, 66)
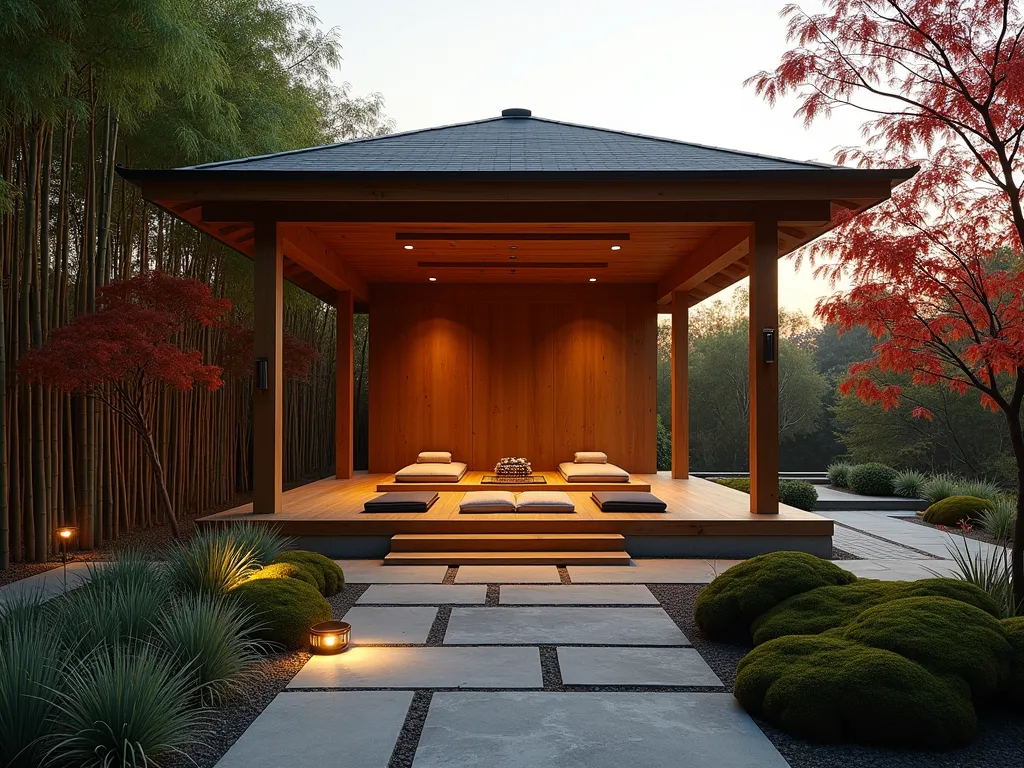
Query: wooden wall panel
point(535, 371)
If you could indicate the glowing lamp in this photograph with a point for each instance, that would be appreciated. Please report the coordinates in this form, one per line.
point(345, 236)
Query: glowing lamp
point(329, 637)
point(65, 534)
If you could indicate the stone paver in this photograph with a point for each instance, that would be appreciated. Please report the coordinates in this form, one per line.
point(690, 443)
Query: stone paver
point(425, 667)
point(424, 594)
point(591, 730)
point(545, 594)
point(898, 570)
point(47, 584)
point(507, 574)
point(634, 666)
point(375, 572)
point(889, 526)
point(352, 728)
point(388, 626)
point(871, 548)
point(651, 571)
point(562, 626)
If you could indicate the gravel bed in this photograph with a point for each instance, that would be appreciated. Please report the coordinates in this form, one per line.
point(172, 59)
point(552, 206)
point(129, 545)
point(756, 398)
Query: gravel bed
point(563, 575)
point(436, 634)
point(409, 736)
point(551, 673)
point(842, 554)
point(450, 574)
point(976, 532)
point(1000, 732)
point(493, 598)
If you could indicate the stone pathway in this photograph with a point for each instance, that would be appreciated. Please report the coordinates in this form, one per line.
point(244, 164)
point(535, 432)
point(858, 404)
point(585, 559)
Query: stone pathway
point(47, 584)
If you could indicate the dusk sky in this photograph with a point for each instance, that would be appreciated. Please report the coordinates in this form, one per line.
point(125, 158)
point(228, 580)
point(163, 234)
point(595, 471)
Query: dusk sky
point(658, 67)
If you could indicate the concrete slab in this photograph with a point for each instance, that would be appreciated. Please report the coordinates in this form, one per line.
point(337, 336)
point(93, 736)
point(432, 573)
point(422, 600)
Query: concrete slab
point(591, 730)
point(423, 667)
point(375, 572)
point(390, 626)
point(507, 574)
point(562, 626)
point(424, 594)
point(323, 728)
point(544, 594)
point(634, 666)
point(898, 570)
point(43, 586)
point(651, 571)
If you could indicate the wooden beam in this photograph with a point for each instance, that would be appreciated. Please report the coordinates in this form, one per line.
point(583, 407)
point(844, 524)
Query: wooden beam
point(739, 213)
point(764, 376)
point(722, 248)
point(268, 410)
point(309, 251)
point(343, 387)
point(680, 385)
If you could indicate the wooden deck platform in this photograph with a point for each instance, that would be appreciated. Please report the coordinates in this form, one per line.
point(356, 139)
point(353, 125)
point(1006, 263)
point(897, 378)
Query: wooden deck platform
point(705, 513)
point(473, 481)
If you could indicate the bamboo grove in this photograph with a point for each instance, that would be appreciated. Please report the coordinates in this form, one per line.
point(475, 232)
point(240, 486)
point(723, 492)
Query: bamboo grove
point(88, 84)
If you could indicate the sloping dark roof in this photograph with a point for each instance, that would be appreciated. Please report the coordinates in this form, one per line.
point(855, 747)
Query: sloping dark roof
point(516, 144)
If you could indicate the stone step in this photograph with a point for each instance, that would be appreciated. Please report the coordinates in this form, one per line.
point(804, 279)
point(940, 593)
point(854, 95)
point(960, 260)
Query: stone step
point(508, 558)
point(507, 542)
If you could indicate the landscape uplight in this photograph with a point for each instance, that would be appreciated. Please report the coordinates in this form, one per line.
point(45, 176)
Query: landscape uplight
point(329, 637)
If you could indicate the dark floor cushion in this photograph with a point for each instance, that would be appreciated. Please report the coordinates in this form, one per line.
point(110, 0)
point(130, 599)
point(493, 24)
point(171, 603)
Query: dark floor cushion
point(401, 501)
point(628, 501)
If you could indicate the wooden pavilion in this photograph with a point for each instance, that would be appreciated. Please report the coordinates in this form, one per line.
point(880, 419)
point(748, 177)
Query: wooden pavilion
point(514, 268)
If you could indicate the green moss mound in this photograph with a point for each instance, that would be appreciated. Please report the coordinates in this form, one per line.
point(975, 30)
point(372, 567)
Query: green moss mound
point(287, 571)
point(948, 637)
point(329, 576)
point(828, 689)
point(953, 509)
point(873, 479)
point(730, 604)
point(287, 609)
point(826, 608)
point(1014, 628)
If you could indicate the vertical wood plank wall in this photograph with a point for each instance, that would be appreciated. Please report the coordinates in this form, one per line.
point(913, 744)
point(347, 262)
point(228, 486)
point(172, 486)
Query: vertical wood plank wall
point(487, 371)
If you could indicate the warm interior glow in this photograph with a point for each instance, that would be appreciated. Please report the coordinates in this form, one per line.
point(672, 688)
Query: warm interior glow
point(616, 247)
point(65, 534)
point(407, 247)
point(593, 279)
point(330, 640)
point(432, 279)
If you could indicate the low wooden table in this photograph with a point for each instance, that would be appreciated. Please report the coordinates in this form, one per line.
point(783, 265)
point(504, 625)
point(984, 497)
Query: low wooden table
point(473, 481)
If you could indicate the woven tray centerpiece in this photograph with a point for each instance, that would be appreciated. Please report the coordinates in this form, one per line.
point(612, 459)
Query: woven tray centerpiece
point(512, 469)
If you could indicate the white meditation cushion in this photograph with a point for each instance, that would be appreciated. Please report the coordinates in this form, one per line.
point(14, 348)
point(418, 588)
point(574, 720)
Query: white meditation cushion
point(590, 457)
point(488, 502)
point(593, 473)
point(434, 457)
point(544, 501)
point(431, 473)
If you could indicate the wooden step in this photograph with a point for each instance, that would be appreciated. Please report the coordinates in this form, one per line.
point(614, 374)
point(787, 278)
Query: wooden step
point(507, 542)
point(507, 558)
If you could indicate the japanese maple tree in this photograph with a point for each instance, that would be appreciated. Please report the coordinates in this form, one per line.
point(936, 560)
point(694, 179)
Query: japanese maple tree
point(935, 274)
point(131, 348)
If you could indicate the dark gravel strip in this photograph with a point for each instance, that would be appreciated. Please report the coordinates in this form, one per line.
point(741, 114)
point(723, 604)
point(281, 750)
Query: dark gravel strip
point(493, 599)
point(889, 541)
point(551, 673)
point(440, 626)
point(842, 554)
point(563, 574)
point(409, 736)
point(450, 574)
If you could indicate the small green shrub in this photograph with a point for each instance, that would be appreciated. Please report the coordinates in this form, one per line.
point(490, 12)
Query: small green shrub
point(290, 571)
point(910, 484)
point(728, 606)
point(873, 479)
point(953, 509)
point(828, 689)
point(214, 635)
point(124, 707)
point(263, 540)
point(1000, 520)
point(947, 637)
point(798, 493)
point(839, 474)
point(287, 609)
point(736, 483)
point(825, 608)
point(330, 578)
point(942, 486)
point(1014, 628)
point(211, 561)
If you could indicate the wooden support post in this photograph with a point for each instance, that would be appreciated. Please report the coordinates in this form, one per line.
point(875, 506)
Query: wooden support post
point(680, 385)
point(268, 410)
point(345, 374)
point(764, 375)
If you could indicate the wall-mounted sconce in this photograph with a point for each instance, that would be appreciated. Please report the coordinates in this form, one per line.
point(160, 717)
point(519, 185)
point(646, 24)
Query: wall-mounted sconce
point(262, 373)
point(768, 338)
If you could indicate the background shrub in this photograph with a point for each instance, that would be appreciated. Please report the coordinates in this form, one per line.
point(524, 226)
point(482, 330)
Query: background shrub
point(953, 509)
point(329, 575)
point(728, 606)
point(942, 486)
point(828, 689)
point(798, 493)
point(287, 609)
point(839, 474)
point(910, 484)
point(873, 479)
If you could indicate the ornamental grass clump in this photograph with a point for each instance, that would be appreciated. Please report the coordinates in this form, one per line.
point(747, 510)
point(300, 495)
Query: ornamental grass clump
point(981, 489)
point(124, 707)
point(988, 568)
point(942, 486)
point(910, 484)
point(839, 474)
point(215, 637)
point(1000, 520)
point(212, 562)
point(265, 542)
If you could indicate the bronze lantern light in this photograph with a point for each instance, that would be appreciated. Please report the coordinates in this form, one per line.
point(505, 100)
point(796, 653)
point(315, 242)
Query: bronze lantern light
point(329, 637)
